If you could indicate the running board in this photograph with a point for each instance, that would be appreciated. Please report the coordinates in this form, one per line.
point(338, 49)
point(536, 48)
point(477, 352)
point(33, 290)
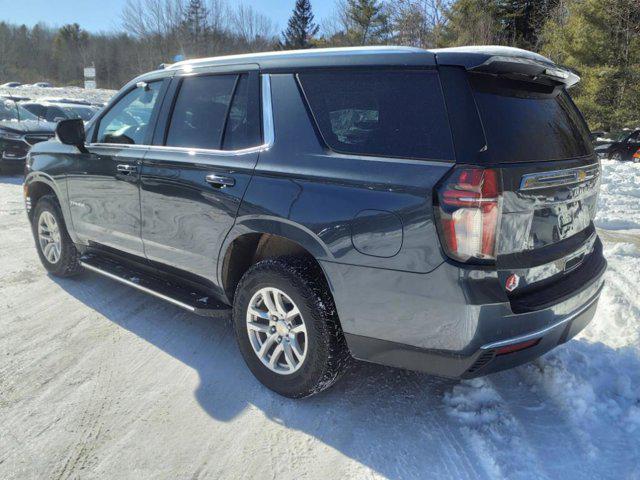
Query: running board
point(200, 303)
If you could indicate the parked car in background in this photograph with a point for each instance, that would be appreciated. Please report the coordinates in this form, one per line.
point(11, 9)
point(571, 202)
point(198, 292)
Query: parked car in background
point(15, 98)
point(598, 136)
point(11, 84)
point(54, 112)
point(43, 85)
point(75, 101)
point(402, 206)
point(19, 130)
point(619, 146)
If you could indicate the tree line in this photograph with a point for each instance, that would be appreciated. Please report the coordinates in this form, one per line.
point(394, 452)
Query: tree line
point(599, 39)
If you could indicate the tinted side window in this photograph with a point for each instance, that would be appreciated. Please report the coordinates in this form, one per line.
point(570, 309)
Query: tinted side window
point(385, 113)
point(199, 112)
point(243, 127)
point(127, 122)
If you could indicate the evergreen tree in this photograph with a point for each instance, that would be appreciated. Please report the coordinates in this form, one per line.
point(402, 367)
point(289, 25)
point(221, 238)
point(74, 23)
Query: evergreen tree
point(473, 22)
point(301, 28)
point(369, 22)
point(601, 40)
point(196, 21)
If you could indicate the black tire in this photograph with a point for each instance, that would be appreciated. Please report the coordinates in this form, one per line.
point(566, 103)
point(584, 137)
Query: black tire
point(327, 353)
point(68, 264)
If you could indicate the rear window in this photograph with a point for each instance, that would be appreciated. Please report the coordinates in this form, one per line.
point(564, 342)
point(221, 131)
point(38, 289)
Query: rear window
point(525, 122)
point(382, 113)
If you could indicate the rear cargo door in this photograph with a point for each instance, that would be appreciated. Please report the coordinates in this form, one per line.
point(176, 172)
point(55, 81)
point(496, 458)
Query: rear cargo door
point(535, 136)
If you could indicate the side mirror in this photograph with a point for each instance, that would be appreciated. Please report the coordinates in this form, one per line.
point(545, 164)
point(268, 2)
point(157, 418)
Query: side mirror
point(71, 132)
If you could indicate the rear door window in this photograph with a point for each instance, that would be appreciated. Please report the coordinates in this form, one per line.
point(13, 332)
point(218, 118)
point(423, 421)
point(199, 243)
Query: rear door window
point(200, 112)
point(525, 122)
point(243, 124)
point(390, 113)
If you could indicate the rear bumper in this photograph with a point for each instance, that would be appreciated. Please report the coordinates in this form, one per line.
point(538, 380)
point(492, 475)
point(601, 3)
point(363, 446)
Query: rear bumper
point(453, 322)
point(487, 359)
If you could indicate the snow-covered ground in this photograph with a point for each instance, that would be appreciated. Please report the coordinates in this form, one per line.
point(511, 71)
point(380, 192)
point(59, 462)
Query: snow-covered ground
point(92, 95)
point(100, 381)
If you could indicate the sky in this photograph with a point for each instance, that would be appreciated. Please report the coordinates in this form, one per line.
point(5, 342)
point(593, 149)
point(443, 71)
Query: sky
point(104, 15)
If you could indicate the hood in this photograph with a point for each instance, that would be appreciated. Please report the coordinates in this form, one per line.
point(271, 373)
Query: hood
point(28, 126)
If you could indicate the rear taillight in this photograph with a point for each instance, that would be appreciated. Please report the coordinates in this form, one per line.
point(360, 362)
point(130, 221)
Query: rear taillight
point(468, 211)
point(636, 155)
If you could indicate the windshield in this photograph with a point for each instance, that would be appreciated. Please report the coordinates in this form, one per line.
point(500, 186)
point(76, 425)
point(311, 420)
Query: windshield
point(11, 111)
point(84, 113)
point(618, 136)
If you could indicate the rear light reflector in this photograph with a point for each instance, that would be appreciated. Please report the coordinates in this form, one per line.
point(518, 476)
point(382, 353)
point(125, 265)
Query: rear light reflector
point(468, 210)
point(516, 347)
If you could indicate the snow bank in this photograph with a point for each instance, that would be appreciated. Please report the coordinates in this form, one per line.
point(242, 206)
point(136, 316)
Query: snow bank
point(619, 196)
point(92, 95)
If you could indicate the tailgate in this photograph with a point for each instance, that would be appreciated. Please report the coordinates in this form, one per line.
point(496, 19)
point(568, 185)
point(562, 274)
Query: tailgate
point(546, 230)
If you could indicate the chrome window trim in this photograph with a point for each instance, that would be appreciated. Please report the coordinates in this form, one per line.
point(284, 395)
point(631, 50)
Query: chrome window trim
point(268, 133)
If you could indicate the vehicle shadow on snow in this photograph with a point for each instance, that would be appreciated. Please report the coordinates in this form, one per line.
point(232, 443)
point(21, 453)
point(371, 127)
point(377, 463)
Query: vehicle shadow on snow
point(397, 423)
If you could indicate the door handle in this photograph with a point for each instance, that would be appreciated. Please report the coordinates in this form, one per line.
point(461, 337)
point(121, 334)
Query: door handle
point(126, 168)
point(220, 181)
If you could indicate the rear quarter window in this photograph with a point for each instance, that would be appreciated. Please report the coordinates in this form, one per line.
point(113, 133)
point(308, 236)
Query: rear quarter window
point(385, 113)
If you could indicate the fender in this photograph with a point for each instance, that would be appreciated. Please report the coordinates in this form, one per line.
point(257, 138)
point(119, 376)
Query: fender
point(50, 169)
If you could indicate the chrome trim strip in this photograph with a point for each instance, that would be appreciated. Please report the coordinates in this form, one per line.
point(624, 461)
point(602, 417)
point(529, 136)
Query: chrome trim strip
point(555, 178)
point(540, 333)
point(138, 287)
point(267, 112)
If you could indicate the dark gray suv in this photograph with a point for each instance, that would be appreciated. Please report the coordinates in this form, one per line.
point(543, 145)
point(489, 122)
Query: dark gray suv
point(430, 210)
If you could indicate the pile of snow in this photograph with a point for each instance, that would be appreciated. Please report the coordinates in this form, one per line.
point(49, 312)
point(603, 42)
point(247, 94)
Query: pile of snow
point(619, 196)
point(97, 95)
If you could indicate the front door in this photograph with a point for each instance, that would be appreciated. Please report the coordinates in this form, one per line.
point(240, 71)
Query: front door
point(103, 184)
point(194, 177)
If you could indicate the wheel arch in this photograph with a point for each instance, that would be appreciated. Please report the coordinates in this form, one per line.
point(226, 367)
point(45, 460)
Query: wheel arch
point(37, 185)
point(255, 239)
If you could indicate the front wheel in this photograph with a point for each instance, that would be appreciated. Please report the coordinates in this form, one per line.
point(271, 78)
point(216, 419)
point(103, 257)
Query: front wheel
point(57, 252)
point(287, 327)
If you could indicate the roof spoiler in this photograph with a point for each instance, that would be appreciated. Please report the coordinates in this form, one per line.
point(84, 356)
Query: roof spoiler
point(502, 64)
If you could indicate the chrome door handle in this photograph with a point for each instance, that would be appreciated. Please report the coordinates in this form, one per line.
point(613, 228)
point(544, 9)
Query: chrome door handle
point(126, 168)
point(219, 180)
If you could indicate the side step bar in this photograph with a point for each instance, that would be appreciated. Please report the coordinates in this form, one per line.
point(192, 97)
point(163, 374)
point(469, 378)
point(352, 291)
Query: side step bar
point(200, 303)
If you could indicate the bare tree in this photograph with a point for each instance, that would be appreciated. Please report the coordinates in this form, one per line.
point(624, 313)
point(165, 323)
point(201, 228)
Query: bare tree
point(252, 27)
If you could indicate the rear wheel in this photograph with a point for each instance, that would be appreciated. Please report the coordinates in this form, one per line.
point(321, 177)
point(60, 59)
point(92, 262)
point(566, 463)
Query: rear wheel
point(287, 327)
point(57, 252)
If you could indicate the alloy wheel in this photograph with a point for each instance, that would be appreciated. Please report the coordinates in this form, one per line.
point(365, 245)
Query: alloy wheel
point(277, 331)
point(49, 237)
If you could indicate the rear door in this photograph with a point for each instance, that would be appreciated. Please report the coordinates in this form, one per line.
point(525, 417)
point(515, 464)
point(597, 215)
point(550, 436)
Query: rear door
point(103, 183)
point(194, 176)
